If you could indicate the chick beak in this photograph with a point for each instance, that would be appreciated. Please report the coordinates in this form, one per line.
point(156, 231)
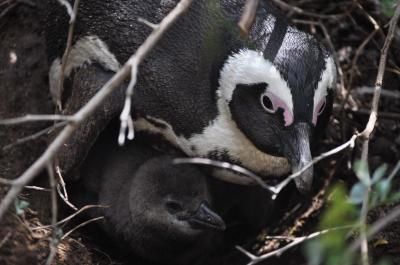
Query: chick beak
point(299, 155)
point(205, 218)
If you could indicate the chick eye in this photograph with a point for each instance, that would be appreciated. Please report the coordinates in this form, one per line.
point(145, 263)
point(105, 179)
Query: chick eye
point(173, 206)
point(267, 104)
point(321, 107)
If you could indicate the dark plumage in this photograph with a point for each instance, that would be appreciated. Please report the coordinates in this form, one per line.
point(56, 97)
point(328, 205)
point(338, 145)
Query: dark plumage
point(254, 101)
point(158, 211)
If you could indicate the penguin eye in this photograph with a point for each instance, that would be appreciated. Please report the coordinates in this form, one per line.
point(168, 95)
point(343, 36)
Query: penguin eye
point(321, 106)
point(173, 207)
point(267, 104)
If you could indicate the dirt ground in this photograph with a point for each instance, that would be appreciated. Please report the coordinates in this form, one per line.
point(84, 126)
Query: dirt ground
point(24, 89)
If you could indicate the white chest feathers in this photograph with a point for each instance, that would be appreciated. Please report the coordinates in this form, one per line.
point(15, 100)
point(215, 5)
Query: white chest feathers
point(220, 138)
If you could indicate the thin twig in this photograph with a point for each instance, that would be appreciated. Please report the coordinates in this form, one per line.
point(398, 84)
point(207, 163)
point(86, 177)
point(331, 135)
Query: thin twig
point(35, 135)
point(370, 127)
point(64, 194)
point(298, 240)
point(68, 218)
point(376, 227)
point(80, 225)
point(248, 16)
point(5, 239)
point(73, 12)
point(316, 204)
point(54, 241)
point(35, 118)
point(394, 171)
point(127, 129)
point(7, 9)
point(275, 190)
point(300, 11)
point(88, 109)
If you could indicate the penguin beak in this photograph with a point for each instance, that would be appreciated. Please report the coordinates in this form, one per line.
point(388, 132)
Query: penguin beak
point(298, 152)
point(205, 218)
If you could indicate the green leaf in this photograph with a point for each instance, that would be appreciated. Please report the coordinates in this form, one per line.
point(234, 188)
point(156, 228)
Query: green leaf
point(383, 189)
point(395, 197)
point(379, 173)
point(20, 206)
point(357, 193)
point(314, 252)
point(361, 170)
point(388, 7)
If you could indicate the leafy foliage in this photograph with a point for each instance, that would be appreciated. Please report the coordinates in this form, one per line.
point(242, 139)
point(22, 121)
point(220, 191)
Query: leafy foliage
point(388, 7)
point(344, 210)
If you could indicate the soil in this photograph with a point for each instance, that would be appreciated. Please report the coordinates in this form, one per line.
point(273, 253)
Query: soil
point(24, 90)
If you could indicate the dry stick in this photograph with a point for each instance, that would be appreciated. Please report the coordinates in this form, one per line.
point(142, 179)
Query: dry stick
point(79, 226)
point(257, 179)
point(35, 135)
point(7, 9)
point(370, 127)
point(300, 11)
point(62, 184)
point(394, 171)
point(366, 90)
point(298, 240)
point(316, 204)
point(5, 239)
point(72, 14)
point(248, 16)
point(89, 108)
point(54, 240)
point(136, 59)
point(65, 220)
point(360, 48)
point(36, 117)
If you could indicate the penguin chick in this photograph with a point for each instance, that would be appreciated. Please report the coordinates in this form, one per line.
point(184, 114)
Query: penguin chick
point(157, 210)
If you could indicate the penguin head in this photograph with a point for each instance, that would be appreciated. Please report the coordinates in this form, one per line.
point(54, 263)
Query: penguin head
point(279, 102)
point(173, 199)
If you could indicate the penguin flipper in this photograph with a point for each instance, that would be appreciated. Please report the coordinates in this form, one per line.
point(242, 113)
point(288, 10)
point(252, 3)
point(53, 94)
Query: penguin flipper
point(85, 82)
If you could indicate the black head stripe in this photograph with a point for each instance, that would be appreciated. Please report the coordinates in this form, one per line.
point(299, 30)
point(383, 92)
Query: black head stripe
point(276, 38)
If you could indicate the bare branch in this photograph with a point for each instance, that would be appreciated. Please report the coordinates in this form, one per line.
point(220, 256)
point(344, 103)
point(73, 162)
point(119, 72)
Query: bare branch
point(89, 108)
point(296, 241)
point(65, 220)
point(54, 241)
point(126, 129)
point(248, 16)
point(275, 190)
point(35, 118)
point(72, 13)
point(63, 195)
point(5, 239)
point(370, 127)
point(148, 23)
point(81, 225)
point(381, 71)
point(300, 11)
point(35, 135)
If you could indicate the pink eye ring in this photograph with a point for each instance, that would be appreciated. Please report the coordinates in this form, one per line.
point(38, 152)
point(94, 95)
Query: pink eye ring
point(271, 103)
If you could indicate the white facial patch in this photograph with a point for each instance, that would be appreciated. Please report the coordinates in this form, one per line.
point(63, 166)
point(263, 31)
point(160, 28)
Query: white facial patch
point(328, 81)
point(250, 67)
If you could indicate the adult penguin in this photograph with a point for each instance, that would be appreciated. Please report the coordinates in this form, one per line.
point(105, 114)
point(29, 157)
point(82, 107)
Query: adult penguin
point(256, 102)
